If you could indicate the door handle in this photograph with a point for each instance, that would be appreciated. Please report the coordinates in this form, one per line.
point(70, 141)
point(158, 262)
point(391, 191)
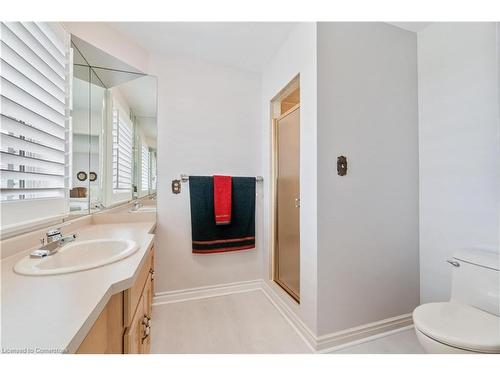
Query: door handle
point(297, 202)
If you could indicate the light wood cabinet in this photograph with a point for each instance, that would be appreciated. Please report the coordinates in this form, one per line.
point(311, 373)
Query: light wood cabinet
point(137, 339)
point(137, 331)
point(106, 335)
point(124, 326)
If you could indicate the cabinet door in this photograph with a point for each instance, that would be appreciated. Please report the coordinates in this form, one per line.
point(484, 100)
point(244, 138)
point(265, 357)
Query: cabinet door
point(106, 335)
point(135, 333)
point(133, 294)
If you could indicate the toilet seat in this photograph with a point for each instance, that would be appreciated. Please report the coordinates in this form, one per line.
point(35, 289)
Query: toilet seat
point(460, 326)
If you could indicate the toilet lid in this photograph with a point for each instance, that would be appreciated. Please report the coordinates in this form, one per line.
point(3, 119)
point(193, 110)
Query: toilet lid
point(458, 325)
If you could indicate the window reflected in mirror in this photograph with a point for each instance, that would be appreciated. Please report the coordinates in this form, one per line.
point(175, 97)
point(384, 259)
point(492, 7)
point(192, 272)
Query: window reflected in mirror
point(113, 132)
point(78, 129)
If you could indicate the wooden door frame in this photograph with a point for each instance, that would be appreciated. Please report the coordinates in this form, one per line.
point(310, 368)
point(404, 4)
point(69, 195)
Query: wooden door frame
point(274, 202)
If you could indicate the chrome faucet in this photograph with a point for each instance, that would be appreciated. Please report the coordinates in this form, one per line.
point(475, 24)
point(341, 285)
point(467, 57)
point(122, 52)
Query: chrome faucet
point(55, 240)
point(137, 205)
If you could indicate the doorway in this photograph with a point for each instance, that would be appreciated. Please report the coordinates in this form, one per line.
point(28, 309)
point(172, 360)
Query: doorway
point(286, 178)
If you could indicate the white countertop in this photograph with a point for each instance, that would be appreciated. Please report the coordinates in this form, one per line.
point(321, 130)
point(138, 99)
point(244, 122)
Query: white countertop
point(55, 313)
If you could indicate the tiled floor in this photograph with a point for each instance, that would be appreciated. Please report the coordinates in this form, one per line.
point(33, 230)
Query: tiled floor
point(245, 323)
point(404, 342)
point(235, 323)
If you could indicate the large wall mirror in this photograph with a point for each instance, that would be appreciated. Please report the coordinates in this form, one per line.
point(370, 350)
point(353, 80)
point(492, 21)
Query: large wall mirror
point(113, 132)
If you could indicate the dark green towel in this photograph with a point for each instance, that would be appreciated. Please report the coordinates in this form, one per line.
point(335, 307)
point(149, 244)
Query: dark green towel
point(239, 234)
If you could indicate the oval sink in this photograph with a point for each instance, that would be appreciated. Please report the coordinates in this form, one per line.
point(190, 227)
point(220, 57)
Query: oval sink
point(78, 256)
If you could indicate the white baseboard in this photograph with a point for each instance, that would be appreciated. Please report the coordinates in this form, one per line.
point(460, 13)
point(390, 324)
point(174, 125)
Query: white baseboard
point(349, 344)
point(318, 344)
point(360, 334)
point(205, 292)
point(298, 325)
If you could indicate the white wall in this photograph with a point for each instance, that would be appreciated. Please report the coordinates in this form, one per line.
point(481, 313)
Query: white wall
point(459, 147)
point(368, 219)
point(297, 55)
point(208, 122)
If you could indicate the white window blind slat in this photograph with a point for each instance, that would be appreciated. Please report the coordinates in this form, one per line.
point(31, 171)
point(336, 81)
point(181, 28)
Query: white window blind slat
point(153, 170)
point(13, 128)
point(14, 145)
point(48, 45)
point(24, 67)
point(15, 43)
point(24, 98)
point(145, 167)
point(55, 64)
point(17, 113)
point(32, 113)
point(24, 83)
point(56, 40)
point(122, 151)
point(29, 194)
point(14, 162)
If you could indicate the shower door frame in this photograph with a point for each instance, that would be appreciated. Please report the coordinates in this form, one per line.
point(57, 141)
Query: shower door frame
point(275, 242)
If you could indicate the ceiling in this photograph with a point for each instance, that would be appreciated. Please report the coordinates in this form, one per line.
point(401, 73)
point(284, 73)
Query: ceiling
point(110, 70)
point(411, 26)
point(103, 70)
point(244, 45)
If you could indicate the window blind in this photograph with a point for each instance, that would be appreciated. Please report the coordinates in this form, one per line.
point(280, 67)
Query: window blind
point(145, 181)
point(153, 170)
point(32, 110)
point(122, 151)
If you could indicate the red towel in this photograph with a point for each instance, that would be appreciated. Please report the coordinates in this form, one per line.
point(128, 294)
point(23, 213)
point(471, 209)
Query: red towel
point(222, 199)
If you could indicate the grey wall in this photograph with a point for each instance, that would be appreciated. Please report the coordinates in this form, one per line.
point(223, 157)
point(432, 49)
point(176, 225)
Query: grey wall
point(296, 56)
point(459, 147)
point(368, 220)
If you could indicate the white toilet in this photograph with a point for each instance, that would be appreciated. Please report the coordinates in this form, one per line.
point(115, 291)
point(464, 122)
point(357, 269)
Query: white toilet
point(470, 321)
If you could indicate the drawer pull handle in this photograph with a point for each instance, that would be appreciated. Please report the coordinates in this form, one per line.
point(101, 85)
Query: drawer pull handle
point(146, 320)
point(152, 273)
point(147, 331)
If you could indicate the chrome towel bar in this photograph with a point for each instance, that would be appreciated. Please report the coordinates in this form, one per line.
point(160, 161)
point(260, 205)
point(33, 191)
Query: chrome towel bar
point(185, 178)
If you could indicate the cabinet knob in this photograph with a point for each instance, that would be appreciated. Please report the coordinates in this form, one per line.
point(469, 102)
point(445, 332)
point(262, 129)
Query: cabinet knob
point(152, 273)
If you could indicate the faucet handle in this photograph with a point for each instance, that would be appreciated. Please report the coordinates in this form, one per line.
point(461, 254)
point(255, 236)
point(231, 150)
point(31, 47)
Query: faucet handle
point(54, 235)
point(52, 232)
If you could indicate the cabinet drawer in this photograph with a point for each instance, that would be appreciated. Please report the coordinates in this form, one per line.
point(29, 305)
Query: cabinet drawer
point(133, 295)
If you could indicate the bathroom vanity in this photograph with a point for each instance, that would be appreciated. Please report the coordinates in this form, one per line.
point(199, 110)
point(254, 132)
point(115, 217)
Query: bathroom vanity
point(78, 195)
point(106, 309)
point(124, 326)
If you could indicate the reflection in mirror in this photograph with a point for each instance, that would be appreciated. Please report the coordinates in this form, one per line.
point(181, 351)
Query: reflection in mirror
point(96, 139)
point(80, 135)
point(113, 132)
point(140, 96)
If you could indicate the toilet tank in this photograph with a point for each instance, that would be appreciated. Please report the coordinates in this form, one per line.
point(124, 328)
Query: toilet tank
point(476, 279)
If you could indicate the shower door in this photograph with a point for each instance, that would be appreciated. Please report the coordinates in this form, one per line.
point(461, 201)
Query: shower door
point(287, 244)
